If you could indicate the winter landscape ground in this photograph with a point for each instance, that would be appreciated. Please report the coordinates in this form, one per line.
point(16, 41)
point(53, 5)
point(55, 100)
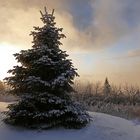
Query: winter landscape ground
point(47, 103)
point(102, 127)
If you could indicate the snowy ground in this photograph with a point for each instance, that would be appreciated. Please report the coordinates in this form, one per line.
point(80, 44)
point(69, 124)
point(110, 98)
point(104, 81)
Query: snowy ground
point(103, 127)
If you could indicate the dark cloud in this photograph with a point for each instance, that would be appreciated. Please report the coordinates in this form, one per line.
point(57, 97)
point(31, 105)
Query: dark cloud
point(88, 24)
point(82, 13)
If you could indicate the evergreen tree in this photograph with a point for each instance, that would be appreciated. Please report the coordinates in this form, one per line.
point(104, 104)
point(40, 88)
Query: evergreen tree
point(43, 82)
point(107, 87)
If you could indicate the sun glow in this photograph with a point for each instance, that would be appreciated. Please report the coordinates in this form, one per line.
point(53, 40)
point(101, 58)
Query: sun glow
point(7, 60)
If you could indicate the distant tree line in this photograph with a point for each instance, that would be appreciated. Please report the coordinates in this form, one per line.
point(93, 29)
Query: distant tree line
point(93, 93)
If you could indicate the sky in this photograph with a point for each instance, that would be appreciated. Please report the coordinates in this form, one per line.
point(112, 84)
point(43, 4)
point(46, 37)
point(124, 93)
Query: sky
point(103, 36)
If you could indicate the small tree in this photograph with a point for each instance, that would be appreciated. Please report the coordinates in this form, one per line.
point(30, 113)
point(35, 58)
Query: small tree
point(107, 87)
point(43, 82)
point(2, 87)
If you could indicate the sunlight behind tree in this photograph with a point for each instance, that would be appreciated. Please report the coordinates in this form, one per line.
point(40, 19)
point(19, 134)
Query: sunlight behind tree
point(6, 58)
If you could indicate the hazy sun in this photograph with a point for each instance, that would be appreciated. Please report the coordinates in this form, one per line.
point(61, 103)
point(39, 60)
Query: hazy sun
point(7, 60)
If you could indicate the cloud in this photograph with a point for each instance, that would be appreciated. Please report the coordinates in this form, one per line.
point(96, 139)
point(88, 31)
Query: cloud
point(88, 25)
point(134, 53)
point(114, 20)
point(17, 20)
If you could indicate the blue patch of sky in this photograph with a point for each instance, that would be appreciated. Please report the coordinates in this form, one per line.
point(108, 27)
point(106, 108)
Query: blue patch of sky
point(87, 57)
point(123, 46)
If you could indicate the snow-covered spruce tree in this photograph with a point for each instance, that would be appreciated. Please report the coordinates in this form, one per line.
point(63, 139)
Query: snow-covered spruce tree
point(107, 87)
point(43, 83)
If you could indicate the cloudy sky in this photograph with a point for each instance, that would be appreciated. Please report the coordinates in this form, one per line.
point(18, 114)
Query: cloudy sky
point(103, 36)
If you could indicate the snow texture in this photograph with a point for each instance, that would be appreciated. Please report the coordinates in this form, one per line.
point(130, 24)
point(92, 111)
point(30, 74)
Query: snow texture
point(32, 79)
point(103, 127)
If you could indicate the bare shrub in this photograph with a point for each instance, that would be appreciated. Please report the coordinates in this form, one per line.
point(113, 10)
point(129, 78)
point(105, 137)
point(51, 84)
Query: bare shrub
point(123, 100)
